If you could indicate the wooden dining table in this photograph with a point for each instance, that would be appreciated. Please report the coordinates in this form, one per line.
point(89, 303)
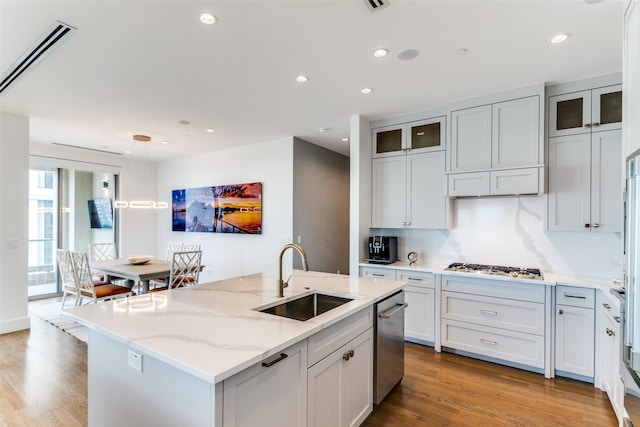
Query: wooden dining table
point(121, 268)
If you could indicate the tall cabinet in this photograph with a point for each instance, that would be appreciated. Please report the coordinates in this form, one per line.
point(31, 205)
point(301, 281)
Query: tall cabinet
point(584, 164)
point(631, 77)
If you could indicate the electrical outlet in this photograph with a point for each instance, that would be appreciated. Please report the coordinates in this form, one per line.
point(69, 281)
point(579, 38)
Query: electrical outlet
point(135, 360)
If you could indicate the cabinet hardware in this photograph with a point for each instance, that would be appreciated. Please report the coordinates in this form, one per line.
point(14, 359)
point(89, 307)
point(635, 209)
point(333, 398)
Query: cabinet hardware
point(596, 124)
point(605, 305)
point(377, 274)
point(575, 296)
point(415, 279)
point(596, 225)
point(560, 311)
point(408, 223)
point(495, 313)
point(348, 355)
point(587, 225)
point(587, 125)
point(274, 361)
point(611, 332)
point(482, 340)
point(388, 314)
point(616, 318)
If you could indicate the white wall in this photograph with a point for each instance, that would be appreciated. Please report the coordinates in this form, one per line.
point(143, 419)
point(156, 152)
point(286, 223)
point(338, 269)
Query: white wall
point(510, 231)
point(230, 255)
point(14, 199)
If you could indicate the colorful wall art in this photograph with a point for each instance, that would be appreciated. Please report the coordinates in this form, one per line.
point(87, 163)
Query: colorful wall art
point(222, 209)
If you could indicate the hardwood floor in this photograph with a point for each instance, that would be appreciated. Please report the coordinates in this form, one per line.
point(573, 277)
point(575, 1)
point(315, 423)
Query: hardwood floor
point(43, 382)
point(443, 389)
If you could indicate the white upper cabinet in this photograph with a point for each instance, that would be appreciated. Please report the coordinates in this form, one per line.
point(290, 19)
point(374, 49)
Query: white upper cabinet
point(515, 140)
point(415, 137)
point(471, 139)
point(586, 111)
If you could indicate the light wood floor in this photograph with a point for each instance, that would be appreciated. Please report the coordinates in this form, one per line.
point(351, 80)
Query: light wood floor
point(43, 382)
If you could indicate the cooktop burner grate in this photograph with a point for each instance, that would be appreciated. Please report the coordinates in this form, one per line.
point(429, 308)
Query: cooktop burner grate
point(499, 270)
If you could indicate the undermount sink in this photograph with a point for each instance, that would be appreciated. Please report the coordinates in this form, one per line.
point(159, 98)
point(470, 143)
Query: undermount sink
point(306, 307)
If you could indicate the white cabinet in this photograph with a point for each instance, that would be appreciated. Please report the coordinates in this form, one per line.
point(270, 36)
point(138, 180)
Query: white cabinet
point(585, 184)
point(341, 385)
point(496, 149)
point(408, 191)
point(271, 393)
point(610, 353)
point(631, 78)
point(378, 273)
point(415, 137)
point(585, 111)
point(575, 332)
point(419, 315)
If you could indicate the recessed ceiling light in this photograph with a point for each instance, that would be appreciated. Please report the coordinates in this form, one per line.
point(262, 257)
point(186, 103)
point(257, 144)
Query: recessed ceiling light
point(127, 151)
point(379, 53)
point(211, 130)
point(560, 38)
point(208, 18)
point(366, 90)
point(302, 79)
point(323, 130)
point(345, 139)
point(164, 142)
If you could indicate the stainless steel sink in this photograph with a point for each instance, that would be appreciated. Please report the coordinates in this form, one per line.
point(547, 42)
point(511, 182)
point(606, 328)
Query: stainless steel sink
point(306, 307)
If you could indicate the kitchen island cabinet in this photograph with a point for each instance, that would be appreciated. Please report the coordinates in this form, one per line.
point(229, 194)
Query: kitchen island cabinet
point(194, 356)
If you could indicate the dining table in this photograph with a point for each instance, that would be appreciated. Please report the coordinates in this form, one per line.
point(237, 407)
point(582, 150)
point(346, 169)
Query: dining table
point(122, 268)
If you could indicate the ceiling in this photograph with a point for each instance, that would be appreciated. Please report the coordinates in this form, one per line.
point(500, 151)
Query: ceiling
point(140, 67)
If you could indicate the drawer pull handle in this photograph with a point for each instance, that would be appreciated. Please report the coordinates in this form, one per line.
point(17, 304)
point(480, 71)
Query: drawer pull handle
point(575, 296)
point(377, 275)
point(605, 305)
point(348, 355)
point(416, 279)
point(274, 361)
point(494, 313)
point(616, 318)
point(611, 332)
point(482, 340)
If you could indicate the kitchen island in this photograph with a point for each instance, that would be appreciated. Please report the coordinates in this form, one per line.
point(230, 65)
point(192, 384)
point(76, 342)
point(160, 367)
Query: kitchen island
point(186, 356)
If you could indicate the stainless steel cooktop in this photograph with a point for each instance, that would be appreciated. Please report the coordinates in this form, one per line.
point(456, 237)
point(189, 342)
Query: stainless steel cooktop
point(497, 270)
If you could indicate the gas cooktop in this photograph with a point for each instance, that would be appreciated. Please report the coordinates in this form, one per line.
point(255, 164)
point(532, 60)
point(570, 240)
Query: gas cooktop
point(497, 270)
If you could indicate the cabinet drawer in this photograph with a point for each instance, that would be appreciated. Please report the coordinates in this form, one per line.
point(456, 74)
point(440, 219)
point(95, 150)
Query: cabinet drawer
point(576, 297)
point(508, 289)
point(501, 313)
point(468, 184)
point(511, 346)
point(419, 279)
point(515, 181)
point(335, 336)
point(378, 273)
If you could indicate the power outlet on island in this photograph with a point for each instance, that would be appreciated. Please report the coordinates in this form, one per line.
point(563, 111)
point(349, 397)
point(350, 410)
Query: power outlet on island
point(135, 360)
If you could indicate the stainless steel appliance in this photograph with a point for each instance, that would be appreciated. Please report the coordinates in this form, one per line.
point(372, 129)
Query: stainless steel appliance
point(383, 249)
point(497, 270)
point(389, 345)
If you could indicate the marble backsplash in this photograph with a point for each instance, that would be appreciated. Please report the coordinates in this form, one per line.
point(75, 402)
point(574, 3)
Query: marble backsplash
point(511, 231)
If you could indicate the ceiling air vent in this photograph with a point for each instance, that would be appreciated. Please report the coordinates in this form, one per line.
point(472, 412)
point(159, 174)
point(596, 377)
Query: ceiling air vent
point(376, 4)
point(40, 49)
point(86, 148)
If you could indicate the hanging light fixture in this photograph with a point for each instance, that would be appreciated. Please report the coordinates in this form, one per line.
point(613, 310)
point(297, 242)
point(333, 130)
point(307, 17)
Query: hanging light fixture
point(140, 204)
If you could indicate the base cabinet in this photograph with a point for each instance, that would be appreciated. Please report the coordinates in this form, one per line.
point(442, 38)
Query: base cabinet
point(270, 393)
point(419, 316)
point(575, 334)
point(341, 385)
point(610, 364)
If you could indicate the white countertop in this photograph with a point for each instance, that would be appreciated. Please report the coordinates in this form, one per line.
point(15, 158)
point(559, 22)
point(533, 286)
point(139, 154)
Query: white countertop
point(211, 330)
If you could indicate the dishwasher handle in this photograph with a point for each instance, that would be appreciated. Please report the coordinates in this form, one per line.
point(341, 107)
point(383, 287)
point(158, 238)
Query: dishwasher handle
point(389, 313)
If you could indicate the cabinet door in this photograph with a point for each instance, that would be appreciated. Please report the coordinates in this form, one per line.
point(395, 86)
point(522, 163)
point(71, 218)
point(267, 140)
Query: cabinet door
point(389, 141)
point(471, 139)
point(419, 316)
point(426, 135)
point(326, 394)
point(610, 353)
point(516, 133)
point(631, 78)
point(606, 181)
point(575, 340)
point(358, 380)
point(570, 114)
point(426, 196)
point(269, 396)
point(388, 192)
point(569, 183)
point(469, 184)
point(606, 108)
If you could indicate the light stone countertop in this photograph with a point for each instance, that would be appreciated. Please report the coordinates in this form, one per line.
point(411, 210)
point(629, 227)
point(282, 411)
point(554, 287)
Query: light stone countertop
point(211, 330)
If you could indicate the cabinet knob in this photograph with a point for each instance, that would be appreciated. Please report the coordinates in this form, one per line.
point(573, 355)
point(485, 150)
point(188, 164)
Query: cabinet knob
point(587, 125)
point(587, 225)
point(595, 225)
point(611, 332)
point(560, 311)
point(596, 124)
point(348, 355)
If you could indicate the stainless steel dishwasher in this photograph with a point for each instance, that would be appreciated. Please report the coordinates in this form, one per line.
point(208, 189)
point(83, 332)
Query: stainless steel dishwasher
point(389, 345)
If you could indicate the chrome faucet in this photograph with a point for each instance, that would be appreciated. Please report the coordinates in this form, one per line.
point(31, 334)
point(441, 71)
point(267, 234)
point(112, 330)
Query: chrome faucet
point(305, 265)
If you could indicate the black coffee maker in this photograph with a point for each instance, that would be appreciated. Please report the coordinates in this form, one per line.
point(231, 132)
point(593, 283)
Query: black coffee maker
point(383, 249)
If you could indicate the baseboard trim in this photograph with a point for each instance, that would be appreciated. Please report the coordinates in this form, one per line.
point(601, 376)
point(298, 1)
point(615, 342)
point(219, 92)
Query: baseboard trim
point(14, 325)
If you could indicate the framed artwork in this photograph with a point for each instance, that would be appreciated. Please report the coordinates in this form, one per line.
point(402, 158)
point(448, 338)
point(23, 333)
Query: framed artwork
point(233, 208)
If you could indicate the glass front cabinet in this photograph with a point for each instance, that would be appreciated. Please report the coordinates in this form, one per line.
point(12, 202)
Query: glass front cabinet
point(586, 111)
point(409, 138)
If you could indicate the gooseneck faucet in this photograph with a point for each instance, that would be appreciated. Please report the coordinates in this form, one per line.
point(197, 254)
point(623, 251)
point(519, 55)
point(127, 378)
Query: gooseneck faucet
point(305, 265)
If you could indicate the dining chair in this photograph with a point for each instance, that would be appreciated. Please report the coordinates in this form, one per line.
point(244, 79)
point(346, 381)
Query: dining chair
point(102, 251)
point(171, 249)
point(86, 288)
point(66, 276)
point(185, 270)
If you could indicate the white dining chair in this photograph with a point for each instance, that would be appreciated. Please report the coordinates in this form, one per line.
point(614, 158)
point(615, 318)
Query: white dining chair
point(67, 280)
point(85, 285)
point(185, 270)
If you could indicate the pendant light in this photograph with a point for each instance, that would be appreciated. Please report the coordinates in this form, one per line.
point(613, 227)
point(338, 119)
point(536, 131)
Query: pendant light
point(140, 204)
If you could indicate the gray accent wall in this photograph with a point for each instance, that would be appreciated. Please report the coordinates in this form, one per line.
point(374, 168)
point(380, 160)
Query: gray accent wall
point(321, 207)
